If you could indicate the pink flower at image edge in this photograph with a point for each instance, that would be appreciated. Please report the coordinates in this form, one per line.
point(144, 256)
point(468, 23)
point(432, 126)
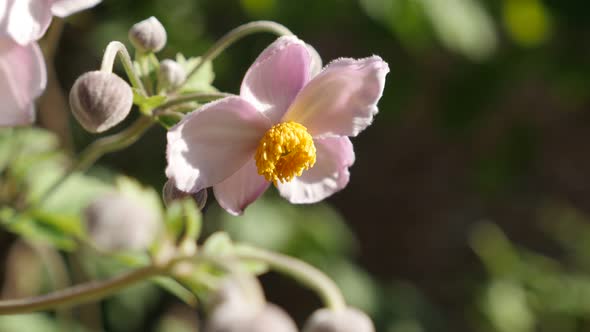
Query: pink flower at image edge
point(291, 122)
point(25, 21)
point(22, 80)
point(23, 75)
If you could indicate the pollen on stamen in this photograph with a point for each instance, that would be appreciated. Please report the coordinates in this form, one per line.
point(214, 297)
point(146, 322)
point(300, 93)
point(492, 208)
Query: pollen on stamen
point(285, 151)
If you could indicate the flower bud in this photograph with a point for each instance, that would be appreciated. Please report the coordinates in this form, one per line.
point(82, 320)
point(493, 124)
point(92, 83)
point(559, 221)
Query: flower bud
point(148, 35)
point(115, 222)
point(233, 318)
point(170, 193)
point(345, 320)
point(171, 74)
point(100, 100)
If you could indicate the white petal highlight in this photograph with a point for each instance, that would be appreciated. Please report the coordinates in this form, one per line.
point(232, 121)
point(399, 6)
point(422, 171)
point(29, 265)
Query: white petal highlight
point(212, 143)
point(63, 8)
point(24, 21)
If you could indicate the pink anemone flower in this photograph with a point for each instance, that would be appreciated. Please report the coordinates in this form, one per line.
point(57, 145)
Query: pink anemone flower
point(26, 21)
point(22, 80)
point(289, 126)
point(23, 74)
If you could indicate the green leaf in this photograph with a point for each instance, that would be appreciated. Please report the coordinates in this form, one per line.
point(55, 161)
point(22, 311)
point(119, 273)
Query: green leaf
point(169, 120)
point(201, 80)
point(147, 104)
point(193, 220)
point(463, 26)
point(143, 194)
point(218, 244)
point(176, 289)
point(37, 322)
point(174, 220)
point(183, 219)
point(253, 266)
point(37, 231)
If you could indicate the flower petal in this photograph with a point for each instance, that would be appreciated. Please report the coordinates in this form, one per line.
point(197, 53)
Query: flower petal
point(212, 143)
point(24, 21)
point(241, 189)
point(63, 8)
point(328, 175)
point(342, 99)
point(316, 61)
point(22, 79)
point(277, 75)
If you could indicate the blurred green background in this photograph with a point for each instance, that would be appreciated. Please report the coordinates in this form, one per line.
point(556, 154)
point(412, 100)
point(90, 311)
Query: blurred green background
point(468, 204)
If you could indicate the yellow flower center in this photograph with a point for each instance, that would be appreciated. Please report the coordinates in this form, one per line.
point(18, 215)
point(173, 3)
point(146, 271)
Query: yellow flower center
point(285, 151)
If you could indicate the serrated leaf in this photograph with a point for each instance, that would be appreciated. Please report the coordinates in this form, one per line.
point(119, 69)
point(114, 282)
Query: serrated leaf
point(201, 80)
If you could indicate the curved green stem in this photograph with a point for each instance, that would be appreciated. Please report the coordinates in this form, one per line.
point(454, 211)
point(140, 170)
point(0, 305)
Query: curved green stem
point(113, 49)
point(236, 34)
point(301, 271)
point(112, 143)
point(198, 97)
point(100, 147)
point(78, 294)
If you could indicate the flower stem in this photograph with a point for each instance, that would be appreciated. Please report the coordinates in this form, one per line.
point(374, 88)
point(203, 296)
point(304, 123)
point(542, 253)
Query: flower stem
point(113, 49)
point(112, 143)
point(236, 34)
point(300, 271)
point(100, 147)
point(198, 97)
point(83, 293)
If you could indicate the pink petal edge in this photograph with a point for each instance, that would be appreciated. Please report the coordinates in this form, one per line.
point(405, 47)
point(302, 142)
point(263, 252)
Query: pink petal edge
point(241, 189)
point(342, 99)
point(63, 8)
point(277, 76)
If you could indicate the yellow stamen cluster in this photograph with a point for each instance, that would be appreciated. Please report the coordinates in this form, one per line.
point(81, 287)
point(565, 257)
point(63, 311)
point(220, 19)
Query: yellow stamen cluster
point(285, 151)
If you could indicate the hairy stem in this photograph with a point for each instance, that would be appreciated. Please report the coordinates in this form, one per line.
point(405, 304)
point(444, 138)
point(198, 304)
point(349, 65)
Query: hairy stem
point(236, 34)
point(112, 143)
point(100, 147)
point(198, 97)
point(113, 49)
point(300, 271)
point(83, 293)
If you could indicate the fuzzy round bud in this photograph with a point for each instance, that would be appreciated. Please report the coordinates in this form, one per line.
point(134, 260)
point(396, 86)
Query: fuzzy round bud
point(170, 194)
point(100, 100)
point(345, 320)
point(148, 35)
point(115, 222)
point(171, 74)
point(234, 318)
